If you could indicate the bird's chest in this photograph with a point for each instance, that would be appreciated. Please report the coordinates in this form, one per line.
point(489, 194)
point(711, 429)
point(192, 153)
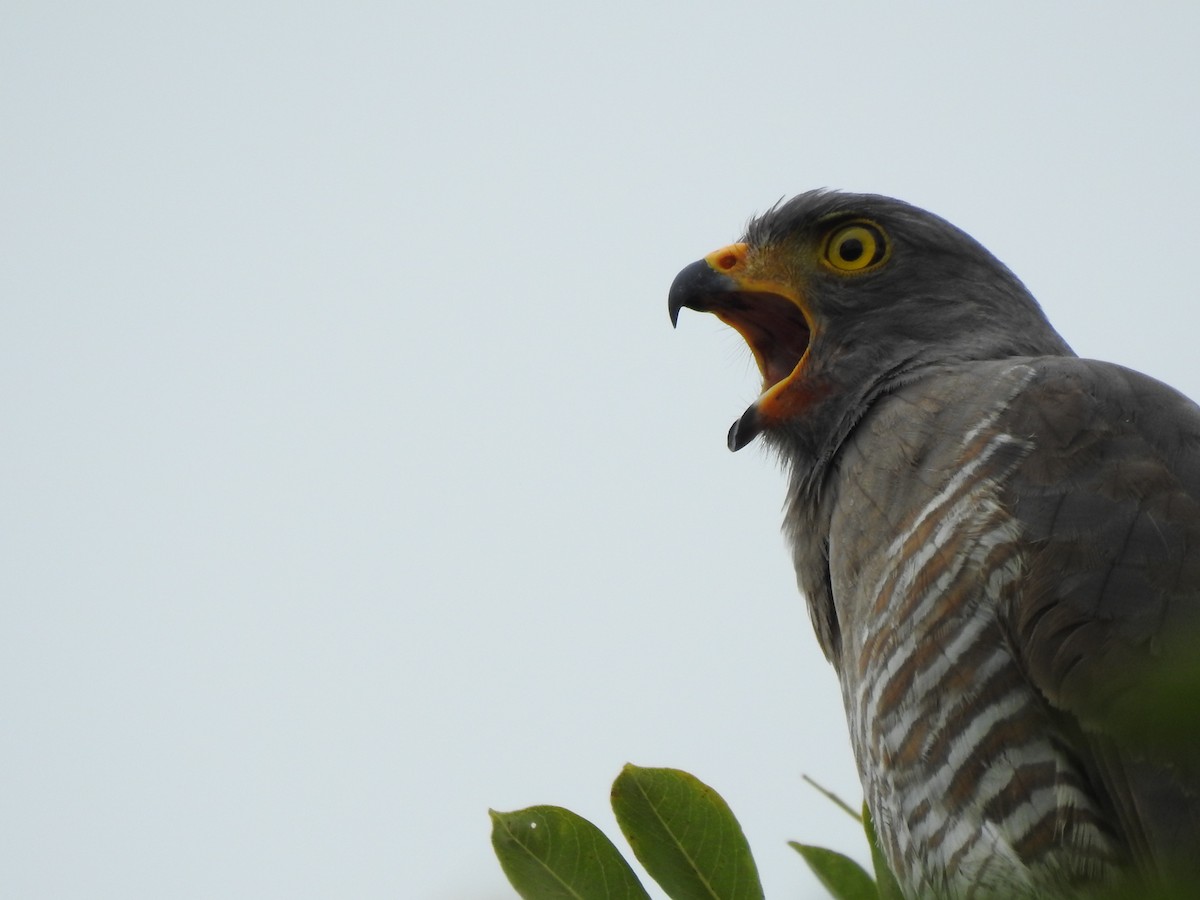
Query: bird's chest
point(961, 767)
point(951, 744)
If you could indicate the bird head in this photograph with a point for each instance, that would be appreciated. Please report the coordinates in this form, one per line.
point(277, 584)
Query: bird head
point(843, 296)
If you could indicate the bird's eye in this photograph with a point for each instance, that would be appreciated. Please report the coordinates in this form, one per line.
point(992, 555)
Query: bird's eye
point(855, 247)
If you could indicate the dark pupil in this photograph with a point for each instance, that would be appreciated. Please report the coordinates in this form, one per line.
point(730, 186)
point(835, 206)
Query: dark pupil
point(851, 249)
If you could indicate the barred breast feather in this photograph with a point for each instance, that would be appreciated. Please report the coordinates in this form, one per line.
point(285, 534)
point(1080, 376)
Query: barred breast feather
point(974, 787)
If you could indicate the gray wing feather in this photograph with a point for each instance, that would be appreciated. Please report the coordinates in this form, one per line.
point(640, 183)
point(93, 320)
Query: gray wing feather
point(1106, 621)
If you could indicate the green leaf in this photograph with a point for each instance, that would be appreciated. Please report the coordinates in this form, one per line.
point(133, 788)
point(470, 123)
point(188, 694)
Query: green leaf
point(1165, 707)
point(843, 877)
point(833, 798)
point(885, 881)
point(685, 836)
point(549, 852)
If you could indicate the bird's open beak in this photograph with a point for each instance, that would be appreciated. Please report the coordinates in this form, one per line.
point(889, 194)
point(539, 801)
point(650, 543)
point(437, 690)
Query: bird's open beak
point(770, 316)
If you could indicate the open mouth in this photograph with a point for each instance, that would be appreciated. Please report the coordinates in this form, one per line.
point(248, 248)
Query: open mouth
point(774, 328)
point(769, 317)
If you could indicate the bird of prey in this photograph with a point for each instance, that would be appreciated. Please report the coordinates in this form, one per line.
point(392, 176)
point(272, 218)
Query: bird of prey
point(999, 543)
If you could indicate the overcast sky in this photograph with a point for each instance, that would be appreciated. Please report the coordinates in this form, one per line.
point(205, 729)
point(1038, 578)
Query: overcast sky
point(354, 479)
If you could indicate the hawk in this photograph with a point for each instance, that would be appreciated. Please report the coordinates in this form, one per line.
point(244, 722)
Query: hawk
point(999, 543)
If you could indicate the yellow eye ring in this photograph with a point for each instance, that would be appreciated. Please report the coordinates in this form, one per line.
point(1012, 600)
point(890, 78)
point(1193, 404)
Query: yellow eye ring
point(855, 247)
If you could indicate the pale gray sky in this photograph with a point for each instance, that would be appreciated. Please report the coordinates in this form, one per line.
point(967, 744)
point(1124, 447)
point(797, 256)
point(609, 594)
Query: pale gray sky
point(355, 480)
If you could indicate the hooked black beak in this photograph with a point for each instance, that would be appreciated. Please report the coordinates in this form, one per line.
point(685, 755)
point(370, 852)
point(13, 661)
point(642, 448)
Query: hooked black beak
point(697, 287)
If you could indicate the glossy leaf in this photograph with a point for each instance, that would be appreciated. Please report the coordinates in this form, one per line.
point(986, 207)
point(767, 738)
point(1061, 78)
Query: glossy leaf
point(833, 798)
point(843, 877)
point(550, 853)
point(685, 836)
point(885, 881)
